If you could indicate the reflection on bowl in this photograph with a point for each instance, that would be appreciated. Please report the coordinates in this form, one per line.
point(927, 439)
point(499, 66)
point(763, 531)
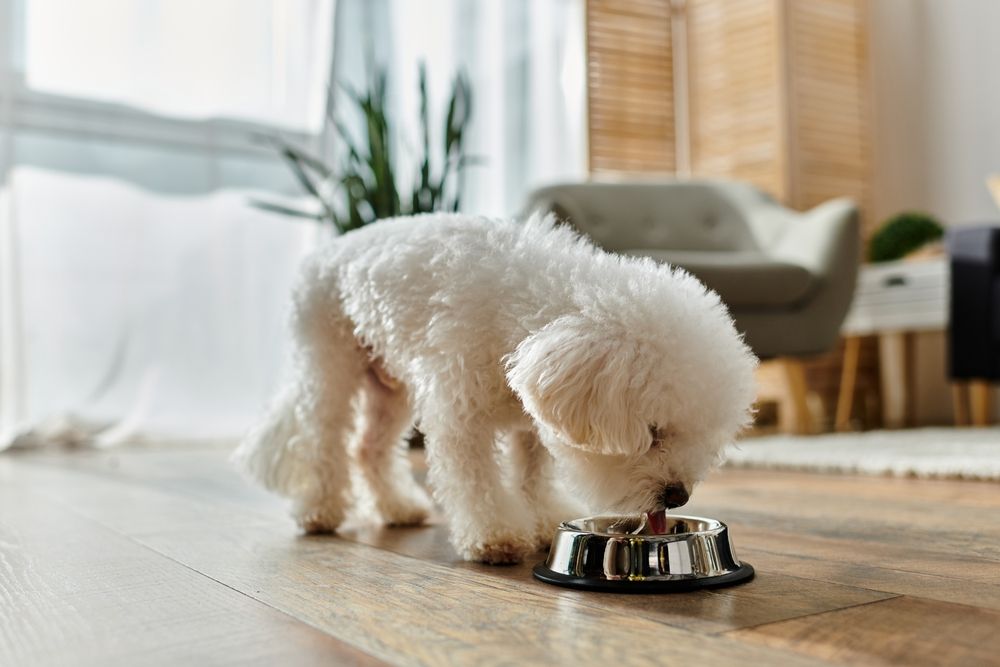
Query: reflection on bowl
point(642, 553)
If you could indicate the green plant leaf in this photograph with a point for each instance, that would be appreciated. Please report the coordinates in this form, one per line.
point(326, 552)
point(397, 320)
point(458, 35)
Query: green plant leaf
point(353, 153)
point(463, 161)
point(284, 210)
point(301, 175)
point(364, 186)
point(303, 157)
point(425, 130)
point(902, 234)
point(459, 110)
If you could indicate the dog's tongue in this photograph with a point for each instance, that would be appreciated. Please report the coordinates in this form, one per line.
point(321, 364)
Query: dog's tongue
point(657, 522)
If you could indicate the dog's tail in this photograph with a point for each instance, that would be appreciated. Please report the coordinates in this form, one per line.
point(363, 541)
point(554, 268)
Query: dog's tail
point(271, 453)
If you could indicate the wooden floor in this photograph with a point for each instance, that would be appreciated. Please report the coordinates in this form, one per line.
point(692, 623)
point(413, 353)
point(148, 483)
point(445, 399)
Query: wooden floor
point(167, 557)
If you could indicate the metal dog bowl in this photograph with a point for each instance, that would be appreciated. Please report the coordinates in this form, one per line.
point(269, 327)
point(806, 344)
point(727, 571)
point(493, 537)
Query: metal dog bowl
point(642, 553)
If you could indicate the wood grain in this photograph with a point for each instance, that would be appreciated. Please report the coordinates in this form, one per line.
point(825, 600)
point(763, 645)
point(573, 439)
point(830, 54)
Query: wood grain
point(905, 630)
point(709, 611)
point(397, 608)
point(716, 611)
point(949, 584)
point(408, 611)
point(75, 592)
point(158, 556)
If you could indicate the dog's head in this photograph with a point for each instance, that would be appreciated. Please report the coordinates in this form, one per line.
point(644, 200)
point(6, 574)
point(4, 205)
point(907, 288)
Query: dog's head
point(636, 416)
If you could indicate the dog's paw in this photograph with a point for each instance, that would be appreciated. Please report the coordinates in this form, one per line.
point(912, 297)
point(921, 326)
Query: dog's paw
point(412, 509)
point(500, 550)
point(318, 521)
point(546, 525)
point(409, 514)
point(316, 527)
point(543, 535)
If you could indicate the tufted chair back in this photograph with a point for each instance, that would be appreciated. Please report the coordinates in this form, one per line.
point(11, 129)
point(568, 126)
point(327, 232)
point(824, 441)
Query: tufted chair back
point(680, 215)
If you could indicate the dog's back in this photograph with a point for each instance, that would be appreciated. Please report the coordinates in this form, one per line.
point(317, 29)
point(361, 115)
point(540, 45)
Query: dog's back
point(449, 285)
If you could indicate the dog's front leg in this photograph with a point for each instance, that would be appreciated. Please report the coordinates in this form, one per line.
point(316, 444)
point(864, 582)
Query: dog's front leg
point(487, 523)
point(535, 475)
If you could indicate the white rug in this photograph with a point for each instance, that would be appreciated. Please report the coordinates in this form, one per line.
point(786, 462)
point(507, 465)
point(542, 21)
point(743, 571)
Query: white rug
point(928, 453)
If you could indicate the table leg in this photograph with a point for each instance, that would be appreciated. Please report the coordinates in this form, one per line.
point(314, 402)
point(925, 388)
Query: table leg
point(980, 397)
point(894, 377)
point(959, 402)
point(848, 378)
point(799, 421)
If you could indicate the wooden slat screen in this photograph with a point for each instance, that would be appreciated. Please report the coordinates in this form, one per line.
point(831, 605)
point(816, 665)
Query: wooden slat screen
point(630, 86)
point(829, 118)
point(773, 92)
point(733, 92)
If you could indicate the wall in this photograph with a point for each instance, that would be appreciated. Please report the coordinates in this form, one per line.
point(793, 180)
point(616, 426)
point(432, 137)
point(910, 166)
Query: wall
point(936, 106)
point(936, 131)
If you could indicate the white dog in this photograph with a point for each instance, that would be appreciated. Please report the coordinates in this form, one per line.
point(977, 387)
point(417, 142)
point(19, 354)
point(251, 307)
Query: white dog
point(513, 346)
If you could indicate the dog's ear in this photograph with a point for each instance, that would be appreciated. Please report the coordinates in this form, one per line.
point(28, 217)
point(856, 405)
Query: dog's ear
point(575, 378)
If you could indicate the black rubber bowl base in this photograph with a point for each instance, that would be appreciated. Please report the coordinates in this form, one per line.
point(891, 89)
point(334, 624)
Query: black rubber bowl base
point(743, 574)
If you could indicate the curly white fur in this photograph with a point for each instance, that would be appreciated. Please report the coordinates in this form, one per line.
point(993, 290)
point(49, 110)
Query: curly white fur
point(514, 346)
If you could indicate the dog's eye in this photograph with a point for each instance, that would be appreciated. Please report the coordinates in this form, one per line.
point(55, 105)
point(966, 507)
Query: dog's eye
point(656, 435)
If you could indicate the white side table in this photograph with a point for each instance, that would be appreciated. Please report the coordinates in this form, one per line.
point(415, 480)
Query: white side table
point(893, 300)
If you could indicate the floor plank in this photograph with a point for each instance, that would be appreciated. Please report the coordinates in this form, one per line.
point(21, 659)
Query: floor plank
point(409, 611)
point(75, 592)
point(840, 553)
point(914, 556)
point(403, 609)
point(905, 630)
point(705, 611)
point(947, 585)
point(860, 521)
point(711, 611)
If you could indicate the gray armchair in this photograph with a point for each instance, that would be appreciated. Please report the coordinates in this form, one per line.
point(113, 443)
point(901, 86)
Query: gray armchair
point(787, 277)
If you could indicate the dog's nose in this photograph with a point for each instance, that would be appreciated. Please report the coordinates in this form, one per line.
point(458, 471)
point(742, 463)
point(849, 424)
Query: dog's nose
point(673, 495)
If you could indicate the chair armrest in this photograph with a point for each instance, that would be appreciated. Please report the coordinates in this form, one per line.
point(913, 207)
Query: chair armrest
point(825, 240)
point(560, 204)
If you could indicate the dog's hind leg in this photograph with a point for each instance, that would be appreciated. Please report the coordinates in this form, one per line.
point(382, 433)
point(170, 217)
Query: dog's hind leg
point(535, 478)
point(300, 450)
point(382, 451)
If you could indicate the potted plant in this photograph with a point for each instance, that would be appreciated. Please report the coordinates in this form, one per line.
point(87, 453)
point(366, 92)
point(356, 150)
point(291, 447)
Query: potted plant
point(365, 186)
point(903, 235)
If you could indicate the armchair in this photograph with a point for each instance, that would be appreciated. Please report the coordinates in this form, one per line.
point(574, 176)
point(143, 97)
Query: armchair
point(787, 277)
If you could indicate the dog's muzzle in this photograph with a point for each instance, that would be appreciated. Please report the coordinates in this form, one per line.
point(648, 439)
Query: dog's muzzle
point(673, 495)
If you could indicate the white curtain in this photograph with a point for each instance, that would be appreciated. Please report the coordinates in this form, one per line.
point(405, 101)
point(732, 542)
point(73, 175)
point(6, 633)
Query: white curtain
point(525, 60)
point(137, 287)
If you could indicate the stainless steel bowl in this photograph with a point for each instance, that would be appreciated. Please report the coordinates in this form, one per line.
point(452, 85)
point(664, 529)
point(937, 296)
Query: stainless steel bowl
point(641, 553)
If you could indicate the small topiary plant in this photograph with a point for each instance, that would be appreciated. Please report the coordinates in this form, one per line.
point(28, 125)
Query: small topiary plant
point(902, 234)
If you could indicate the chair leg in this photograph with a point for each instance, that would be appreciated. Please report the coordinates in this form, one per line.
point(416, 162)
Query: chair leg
point(799, 421)
point(848, 377)
point(959, 403)
point(980, 396)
